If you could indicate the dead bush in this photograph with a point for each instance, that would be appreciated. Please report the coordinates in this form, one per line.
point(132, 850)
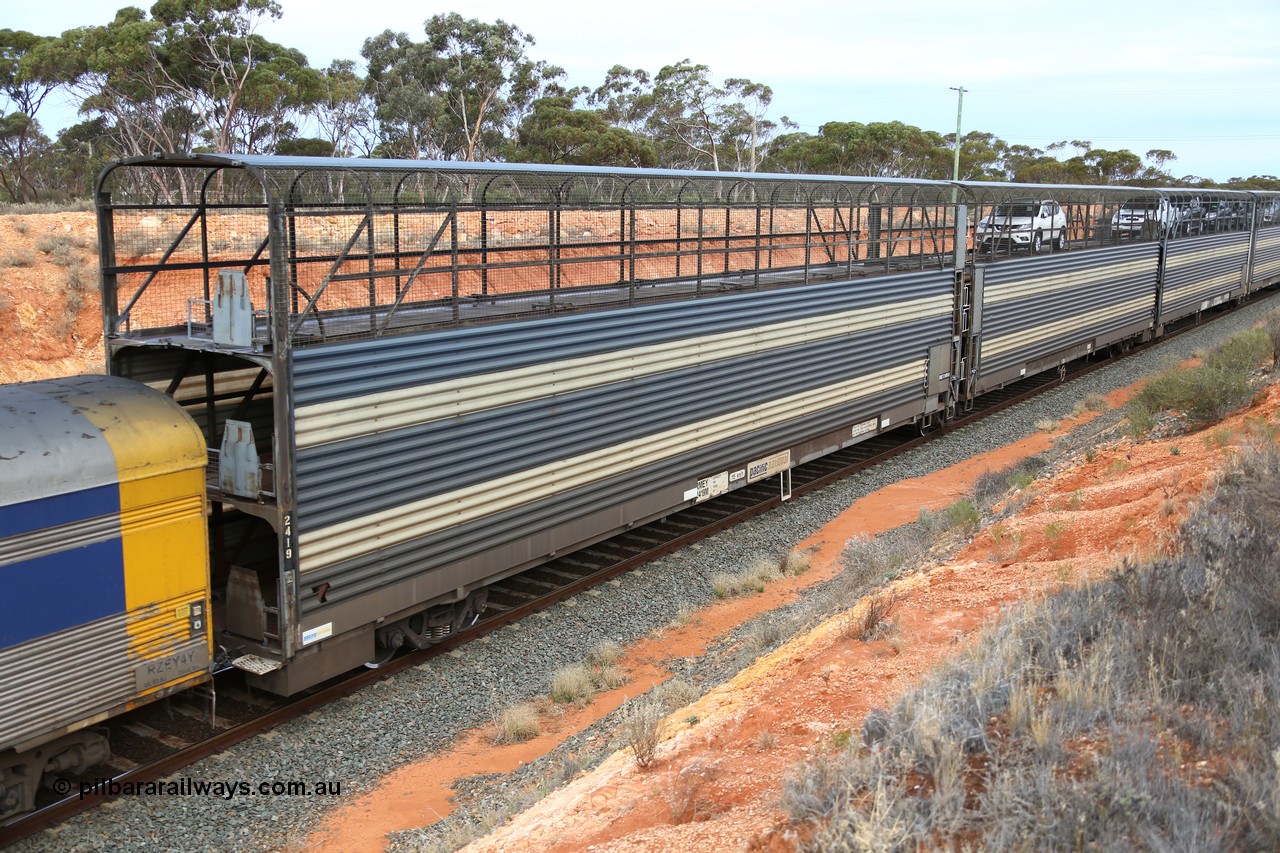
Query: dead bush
point(17, 258)
point(642, 730)
point(870, 620)
point(686, 794)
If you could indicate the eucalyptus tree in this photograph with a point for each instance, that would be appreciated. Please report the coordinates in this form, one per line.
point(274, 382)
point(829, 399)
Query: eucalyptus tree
point(877, 149)
point(457, 95)
point(692, 121)
point(558, 131)
point(344, 112)
point(193, 74)
point(25, 83)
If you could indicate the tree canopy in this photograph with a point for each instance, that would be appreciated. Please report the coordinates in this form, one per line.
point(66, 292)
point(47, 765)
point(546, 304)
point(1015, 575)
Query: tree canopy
point(196, 75)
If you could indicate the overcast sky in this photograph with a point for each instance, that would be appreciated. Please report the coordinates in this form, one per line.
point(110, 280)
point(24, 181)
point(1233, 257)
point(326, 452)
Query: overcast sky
point(1199, 78)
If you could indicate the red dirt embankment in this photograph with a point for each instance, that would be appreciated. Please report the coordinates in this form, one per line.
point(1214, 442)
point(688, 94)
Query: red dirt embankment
point(50, 312)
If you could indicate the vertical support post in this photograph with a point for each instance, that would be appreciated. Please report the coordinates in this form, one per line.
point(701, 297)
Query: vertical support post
point(875, 213)
point(204, 252)
point(955, 166)
point(808, 237)
point(679, 234)
point(280, 223)
point(631, 268)
point(759, 220)
point(701, 212)
point(395, 241)
point(728, 223)
point(372, 266)
point(106, 265)
point(453, 257)
point(484, 251)
point(961, 232)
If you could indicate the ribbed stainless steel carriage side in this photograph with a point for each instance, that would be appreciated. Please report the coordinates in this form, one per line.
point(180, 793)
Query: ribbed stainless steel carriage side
point(1038, 312)
point(1265, 258)
point(427, 462)
point(1202, 272)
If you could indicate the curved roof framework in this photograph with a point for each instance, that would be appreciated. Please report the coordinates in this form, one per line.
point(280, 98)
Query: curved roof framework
point(370, 247)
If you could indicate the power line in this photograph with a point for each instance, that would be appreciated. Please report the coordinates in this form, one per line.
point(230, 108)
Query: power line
point(1109, 91)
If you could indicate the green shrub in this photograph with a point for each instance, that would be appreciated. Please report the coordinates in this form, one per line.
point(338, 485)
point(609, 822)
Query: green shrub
point(1219, 385)
point(964, 514)
point(992, 486)
point(1271, 324)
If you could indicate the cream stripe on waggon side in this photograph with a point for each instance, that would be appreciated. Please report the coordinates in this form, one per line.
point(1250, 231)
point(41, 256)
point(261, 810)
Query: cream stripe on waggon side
point(323, 423)
point(1183, 259)
point(1023, 337)
point(385, 529)
point(1024, 287)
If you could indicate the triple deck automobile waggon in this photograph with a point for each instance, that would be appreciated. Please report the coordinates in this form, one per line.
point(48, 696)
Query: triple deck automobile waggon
point(344, 396)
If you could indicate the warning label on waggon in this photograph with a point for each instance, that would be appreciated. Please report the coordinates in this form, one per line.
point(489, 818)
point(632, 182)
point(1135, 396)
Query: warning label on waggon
point(713, 486)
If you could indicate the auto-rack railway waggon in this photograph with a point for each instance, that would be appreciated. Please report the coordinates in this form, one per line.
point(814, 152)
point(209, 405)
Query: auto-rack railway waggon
point(409, 380)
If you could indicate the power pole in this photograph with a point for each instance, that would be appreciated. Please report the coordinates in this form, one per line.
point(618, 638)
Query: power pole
point(955, 169)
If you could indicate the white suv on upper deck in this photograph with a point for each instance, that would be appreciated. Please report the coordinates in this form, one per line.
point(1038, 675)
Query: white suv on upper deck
point(1155, 217)
point(1022, 223)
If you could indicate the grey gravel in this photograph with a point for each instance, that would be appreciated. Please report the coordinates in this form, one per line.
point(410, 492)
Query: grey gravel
point(359, 739)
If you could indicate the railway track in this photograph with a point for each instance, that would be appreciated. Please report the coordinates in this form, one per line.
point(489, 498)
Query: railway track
point(150, 746)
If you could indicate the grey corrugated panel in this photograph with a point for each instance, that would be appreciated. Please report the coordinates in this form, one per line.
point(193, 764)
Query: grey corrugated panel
point(1080, 317)
point(423, 516)
point(1266, 257)
point(62, 537)
point(368, 572)
point(63, 678)
point(619, 426)
point(1121, 276)
point(348, 478)
point(1201, 271)
point(341, 371)
point(1040, 266)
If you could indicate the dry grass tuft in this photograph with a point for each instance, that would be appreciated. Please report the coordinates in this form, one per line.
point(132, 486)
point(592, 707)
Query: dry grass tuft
point(516, 725)
point(571, 684)
point(17, 258)
point(754, 578)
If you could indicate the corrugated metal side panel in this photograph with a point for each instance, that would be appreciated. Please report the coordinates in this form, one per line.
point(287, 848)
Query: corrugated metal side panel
point(588, 452)
point(343, 372)
point(1036, 307)
point(63, 678)
point(1202, 272)
point(366, 572)
point(345, 479)
point(1266, 257)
